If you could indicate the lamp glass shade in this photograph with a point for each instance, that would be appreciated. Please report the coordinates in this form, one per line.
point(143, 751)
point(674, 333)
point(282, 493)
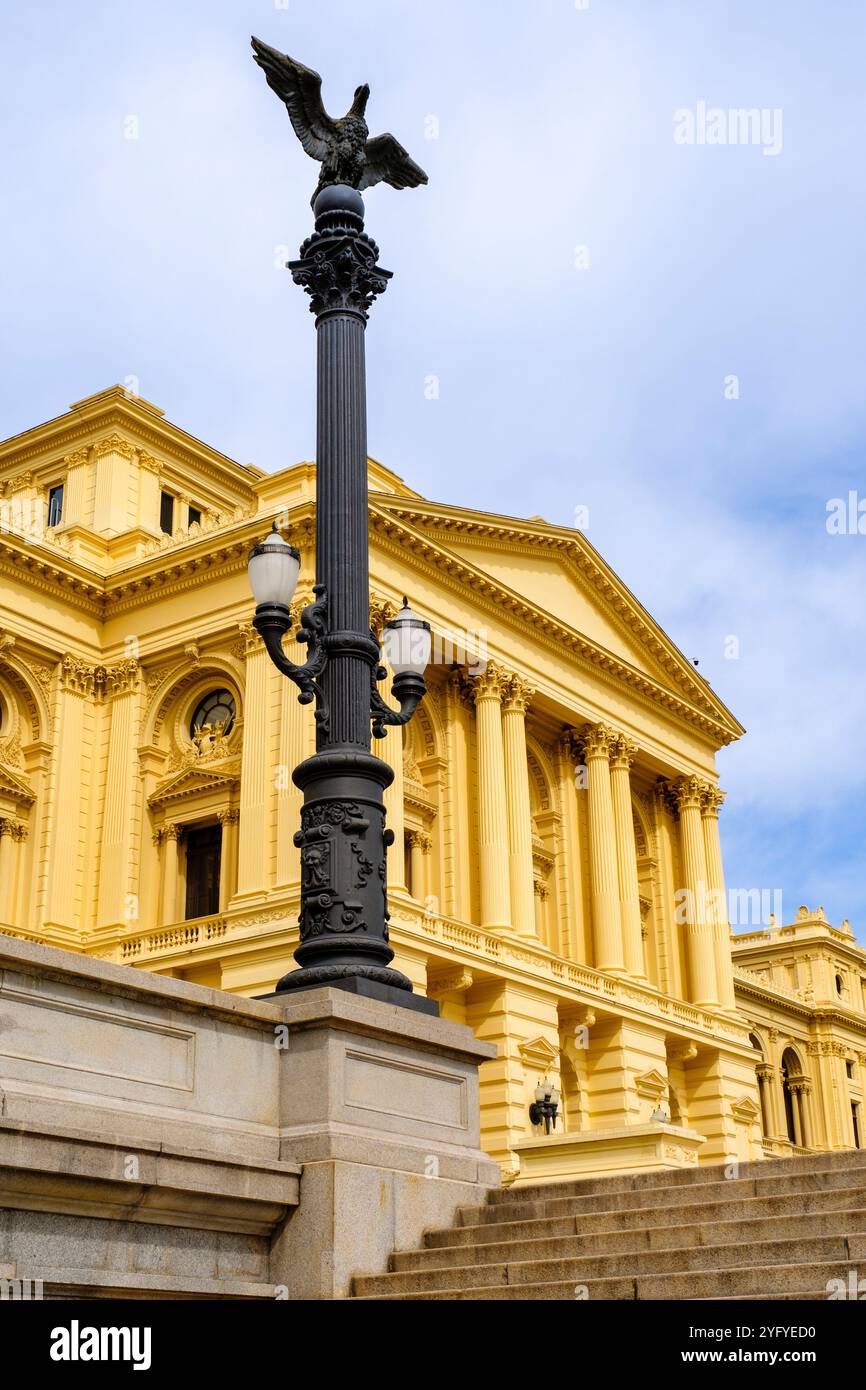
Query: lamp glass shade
point(273, 568)
point(406, 643)
point(539, 1093)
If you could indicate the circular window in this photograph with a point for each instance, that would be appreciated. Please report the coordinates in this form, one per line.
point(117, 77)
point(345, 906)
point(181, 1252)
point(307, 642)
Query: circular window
point(216, 708)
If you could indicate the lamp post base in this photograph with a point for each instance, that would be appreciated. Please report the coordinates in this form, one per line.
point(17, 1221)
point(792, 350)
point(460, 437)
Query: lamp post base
point(364, 986)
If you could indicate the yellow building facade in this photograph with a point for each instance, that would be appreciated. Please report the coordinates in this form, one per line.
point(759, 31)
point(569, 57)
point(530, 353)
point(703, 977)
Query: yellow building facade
point(557, 878)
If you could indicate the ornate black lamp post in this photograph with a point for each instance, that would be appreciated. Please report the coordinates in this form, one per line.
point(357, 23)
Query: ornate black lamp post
point(343, 839)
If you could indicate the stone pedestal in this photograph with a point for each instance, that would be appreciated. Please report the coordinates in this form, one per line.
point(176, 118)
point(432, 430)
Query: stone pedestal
point(160, 1139)
point(380, 1106)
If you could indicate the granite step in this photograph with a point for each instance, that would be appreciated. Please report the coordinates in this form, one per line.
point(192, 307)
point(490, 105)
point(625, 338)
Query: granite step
point(585, 1269)
point(578, 1243)
point(787, 1168)
point(773, 1230)
point(638, 1218)
point(793, 1281)
point(552, 1204)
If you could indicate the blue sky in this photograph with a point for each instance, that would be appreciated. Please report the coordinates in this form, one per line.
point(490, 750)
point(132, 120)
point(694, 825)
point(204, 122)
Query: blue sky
point(158, 258)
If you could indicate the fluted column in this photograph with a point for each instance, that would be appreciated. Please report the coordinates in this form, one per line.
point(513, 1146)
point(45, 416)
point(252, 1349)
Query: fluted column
point(171, 836)
point(606, 926)
point(256, 770)
point(516, 700)
point(456, 841)
point(8, 849)
point(492, 819)
point(701, 953)
point(420, 845)
point(622, 756)
point(117, 905)
point(711, 803)
point(228, 855)
point(295, 729)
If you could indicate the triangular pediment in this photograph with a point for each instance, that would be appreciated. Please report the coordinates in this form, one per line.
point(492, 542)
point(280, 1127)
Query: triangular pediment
point(193, 781)
point(652, 1085)
point(552, 578)
point(538, 1052)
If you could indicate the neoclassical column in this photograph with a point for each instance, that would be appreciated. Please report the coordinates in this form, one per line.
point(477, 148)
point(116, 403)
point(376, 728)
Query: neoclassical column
point(571, 933)
point(700, 941)
point(116, 904)
point(541, 893)
point(296, 723)
point(622, 755)
point(801, 1091)
point(487, 688)
point(775, 1088)
point(711, 803)
point(604, 875)
point(169, 839)
point(8, 847)
point(420, 844)
point(256, 769)
point(456, 841)
point(517, 695)
point(229, 853)
point(77, 684)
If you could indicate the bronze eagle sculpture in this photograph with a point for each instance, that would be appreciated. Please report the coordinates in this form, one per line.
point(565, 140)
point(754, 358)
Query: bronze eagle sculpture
point(343, 147)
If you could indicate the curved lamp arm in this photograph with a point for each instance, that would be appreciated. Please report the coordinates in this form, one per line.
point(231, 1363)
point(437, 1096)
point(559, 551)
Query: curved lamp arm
point(273, 620)
point(409, 690)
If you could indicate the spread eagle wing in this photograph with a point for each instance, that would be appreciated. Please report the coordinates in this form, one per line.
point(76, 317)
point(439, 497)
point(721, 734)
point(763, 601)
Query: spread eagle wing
point(301, 90)
point(386, 160)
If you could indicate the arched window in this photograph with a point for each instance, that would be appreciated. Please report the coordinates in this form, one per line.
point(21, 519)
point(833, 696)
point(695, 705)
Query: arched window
point(216, 708)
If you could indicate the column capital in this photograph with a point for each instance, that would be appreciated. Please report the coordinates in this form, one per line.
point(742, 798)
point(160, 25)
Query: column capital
point(382, 610)
point(419, 839)
point(121, 678)
point(622, 751)
point(712, 800)
point(596, 740)
point(249, 642)
point(78, 677)
point(489, 684)
point(230, 817)
point(686, 793)
point(20, 831)
point(7, 827)
point(172, 831)
point(517, 694)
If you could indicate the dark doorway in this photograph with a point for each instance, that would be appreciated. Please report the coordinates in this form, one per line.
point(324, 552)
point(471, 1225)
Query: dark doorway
point(203, 855)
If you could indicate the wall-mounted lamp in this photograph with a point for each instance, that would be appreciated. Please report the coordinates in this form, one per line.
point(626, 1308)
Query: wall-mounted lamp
point(545, 1106)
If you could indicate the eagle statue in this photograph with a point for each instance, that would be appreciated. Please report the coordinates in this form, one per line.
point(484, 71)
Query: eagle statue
point(342, 147)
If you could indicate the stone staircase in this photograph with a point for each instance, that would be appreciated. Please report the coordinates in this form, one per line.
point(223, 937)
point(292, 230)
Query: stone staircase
point(777, 1229)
